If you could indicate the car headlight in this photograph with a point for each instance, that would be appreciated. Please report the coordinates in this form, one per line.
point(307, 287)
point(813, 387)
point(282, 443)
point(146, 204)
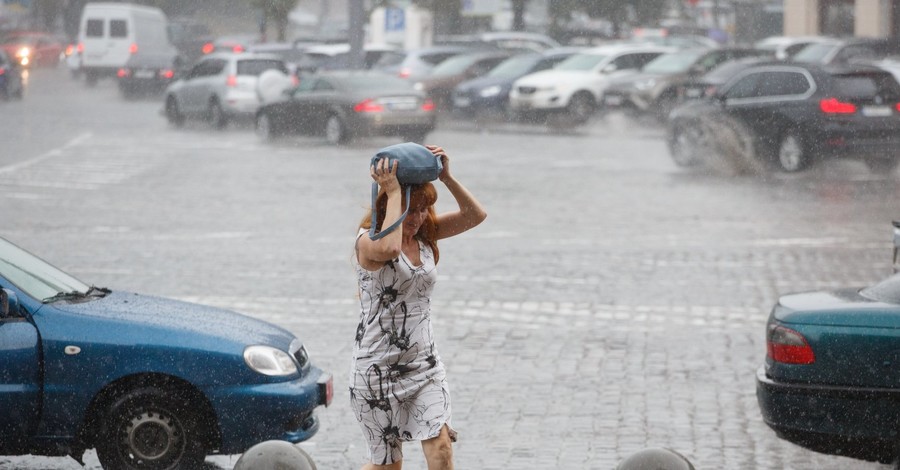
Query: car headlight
point(419, 86)
point(490, 91)
point(645, 84)
point(23, 52)
point(269, 361)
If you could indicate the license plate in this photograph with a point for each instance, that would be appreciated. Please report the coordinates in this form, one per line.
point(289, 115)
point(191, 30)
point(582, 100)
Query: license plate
point(144, 74)
point(401, 106)
point(876, 111)
point(613, 100)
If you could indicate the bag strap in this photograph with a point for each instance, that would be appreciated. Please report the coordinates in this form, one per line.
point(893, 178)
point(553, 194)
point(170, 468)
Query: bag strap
point(376, 236)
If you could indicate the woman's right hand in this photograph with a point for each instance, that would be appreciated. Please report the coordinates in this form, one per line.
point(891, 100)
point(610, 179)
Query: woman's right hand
point(383, 175)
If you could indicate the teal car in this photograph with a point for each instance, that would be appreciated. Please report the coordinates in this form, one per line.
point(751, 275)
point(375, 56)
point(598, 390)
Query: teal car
point(151, 383)
point(831, 378)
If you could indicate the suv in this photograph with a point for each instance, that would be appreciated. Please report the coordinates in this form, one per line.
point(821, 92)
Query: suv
point(795, 113)
point(575, 86)
point(221, 87)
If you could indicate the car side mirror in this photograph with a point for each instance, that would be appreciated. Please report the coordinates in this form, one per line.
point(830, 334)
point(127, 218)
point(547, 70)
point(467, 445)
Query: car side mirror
point(9, 303)
point(609, 68)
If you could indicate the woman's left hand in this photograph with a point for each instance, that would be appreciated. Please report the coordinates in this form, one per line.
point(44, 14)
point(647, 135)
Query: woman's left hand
point(439, 152)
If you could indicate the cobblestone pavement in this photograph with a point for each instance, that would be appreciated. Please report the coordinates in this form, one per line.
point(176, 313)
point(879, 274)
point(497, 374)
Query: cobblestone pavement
point(611, 301)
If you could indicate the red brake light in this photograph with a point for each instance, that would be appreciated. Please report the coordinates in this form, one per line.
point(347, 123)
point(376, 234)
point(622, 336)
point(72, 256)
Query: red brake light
point(122, 73)
point(368, 106)
point(428, 105)
point(80, 48)
point(208, 48)
point(788, 346)
point(238, 49)
point(833, 106)
point(70, 49)
point(133, 48)
point(405, 73)
point(231, 81)
point(897, 107)
point(166, 73)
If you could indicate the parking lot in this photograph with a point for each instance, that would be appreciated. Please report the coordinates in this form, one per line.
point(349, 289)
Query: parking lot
point(611, 302)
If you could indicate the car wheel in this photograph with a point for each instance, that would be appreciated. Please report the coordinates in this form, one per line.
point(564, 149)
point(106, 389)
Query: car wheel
point(664, 106)
point(152, 429)
point(581, 107)
point(265, 128)
point(791, 155)
point(217, 117)
point(685, 141)
point(335, 131)
point(882, 165)
point(173, 114)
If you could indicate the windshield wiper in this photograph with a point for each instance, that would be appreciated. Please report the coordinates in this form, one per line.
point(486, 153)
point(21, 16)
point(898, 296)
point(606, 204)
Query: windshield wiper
point(97, 291)
point(64, 296)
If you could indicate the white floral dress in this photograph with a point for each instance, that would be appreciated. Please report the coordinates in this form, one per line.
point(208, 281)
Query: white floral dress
point(398, 387)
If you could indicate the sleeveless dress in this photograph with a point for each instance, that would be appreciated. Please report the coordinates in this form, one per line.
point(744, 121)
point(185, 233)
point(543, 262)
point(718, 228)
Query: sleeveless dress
point(398, 387)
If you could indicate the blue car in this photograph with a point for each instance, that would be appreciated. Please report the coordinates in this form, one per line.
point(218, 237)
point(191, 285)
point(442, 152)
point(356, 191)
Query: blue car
point(151, 383)
point(490, 93)
point(831, 379)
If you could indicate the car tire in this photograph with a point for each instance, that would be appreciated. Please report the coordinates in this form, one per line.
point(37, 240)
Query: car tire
point(265, 127)
point(151, 428)
point(173, 114)
point(882, 165)
point(792, 157)
point(217, 117)
point(664, 106)
point(581, 107)
point(685, 142)
point(335, 130)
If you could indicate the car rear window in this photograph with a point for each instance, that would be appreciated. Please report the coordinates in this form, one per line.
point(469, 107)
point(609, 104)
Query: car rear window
point(255, 67)
point(118, 28)
point(887, 290)
point(94, 29)
point(866, 86)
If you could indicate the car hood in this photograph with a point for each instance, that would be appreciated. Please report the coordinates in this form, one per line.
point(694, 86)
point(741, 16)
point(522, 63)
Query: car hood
point(845, 307)
point(181, 318)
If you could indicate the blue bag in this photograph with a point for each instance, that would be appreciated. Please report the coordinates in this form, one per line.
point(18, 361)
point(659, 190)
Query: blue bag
point(416, 165)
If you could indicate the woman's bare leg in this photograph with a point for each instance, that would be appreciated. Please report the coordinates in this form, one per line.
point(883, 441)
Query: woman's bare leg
point(439, 451)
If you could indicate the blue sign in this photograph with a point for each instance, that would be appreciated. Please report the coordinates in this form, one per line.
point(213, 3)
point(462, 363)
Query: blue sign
point(394, 19)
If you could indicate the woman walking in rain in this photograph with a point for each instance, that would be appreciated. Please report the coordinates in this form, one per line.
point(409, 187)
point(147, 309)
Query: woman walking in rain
point(398, 386)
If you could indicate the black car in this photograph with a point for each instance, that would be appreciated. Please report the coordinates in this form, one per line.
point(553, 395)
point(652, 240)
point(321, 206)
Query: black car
point(797, 113)
point(192, 38)
point(148, 72)
point(491, 92)
point(706, 85)
point(342, 105)
point(10, 78)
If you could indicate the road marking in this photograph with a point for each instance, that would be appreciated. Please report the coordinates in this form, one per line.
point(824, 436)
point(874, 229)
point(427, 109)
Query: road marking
point(50, 154)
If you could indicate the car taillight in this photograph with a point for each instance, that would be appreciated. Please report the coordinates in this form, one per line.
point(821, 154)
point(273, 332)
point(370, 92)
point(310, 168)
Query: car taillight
point(122, 73)
point(428, 105)
point(237, 49)
point(133, 48)
point(788, 346)
point(80, 47)
point(897, 107)
point(405, 73)
point(368, 106)
point(834, 106)
point(231, 81)
point(208, 48)
point(166, 73)
point(70, 49)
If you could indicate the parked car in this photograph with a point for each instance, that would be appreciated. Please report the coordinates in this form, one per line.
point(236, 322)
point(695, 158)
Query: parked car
point(835, 51)
point(490, 93)
point(414, 64)
point(516, 41)
point(444, 77)
point(32, 48)
point(575, 86)
point(707, 84)
point(147, 73)
point(11, 85)
point(798, 113)
point(150, 382)
point(337, 56)
point(785, 47)
point(342, 105)
point(219, 88)
point(830, 375)
point(655, 88)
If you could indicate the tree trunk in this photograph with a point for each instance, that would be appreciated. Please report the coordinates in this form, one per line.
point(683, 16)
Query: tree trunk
point(518, 7)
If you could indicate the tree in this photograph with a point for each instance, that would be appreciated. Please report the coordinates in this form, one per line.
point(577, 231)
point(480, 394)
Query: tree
point(277, 11)
point(518, 8)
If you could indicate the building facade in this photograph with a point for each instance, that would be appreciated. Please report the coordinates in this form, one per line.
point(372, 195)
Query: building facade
point(864, 18)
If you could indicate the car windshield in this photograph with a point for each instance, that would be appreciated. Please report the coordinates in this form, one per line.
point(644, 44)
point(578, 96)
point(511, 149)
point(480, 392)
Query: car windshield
point(453, 65)
point(672, 63)
point(814, 53)
point(583, 62)
point(514, 66)
point(887, 290)
point(255, 67)
point(33, 275)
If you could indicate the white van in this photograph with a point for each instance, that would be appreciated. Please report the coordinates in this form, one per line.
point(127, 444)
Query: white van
point(110, 33)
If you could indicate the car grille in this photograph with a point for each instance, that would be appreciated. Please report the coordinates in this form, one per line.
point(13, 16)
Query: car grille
point(527, 90)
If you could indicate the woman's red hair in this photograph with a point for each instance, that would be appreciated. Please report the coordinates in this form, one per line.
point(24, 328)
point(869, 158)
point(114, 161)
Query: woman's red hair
point(422, 195)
